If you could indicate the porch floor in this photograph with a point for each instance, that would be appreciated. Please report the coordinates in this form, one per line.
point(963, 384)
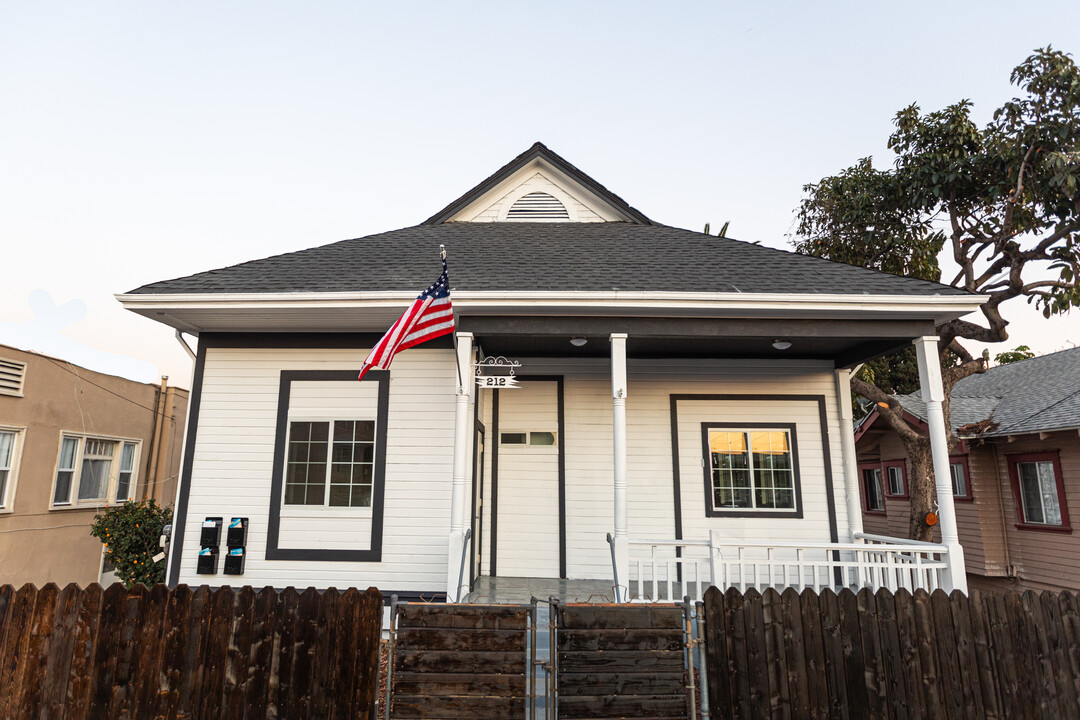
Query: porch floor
point(520, 590)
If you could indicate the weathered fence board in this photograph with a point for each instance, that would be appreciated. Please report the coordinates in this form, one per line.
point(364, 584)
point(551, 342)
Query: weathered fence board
point(620, 661)
point(460, 661)
point(903, 656)
point(76, 654)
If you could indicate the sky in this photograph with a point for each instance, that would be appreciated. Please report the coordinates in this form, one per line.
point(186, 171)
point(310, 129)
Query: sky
point(145, 141)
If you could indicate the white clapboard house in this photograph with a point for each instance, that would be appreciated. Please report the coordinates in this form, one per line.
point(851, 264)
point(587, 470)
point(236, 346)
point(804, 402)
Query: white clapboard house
point(681, 416)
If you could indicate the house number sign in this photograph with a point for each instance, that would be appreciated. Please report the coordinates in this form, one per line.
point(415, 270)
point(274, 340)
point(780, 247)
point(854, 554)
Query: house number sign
point(497, 373)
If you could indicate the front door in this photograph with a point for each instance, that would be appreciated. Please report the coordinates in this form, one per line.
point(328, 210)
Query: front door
point(526, 488)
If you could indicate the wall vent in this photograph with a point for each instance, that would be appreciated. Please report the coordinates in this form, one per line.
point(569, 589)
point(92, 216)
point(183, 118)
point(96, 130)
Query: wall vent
point(12, 374)
point(537, 206)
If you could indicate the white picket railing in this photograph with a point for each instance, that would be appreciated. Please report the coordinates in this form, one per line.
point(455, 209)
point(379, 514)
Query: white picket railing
point(668, 570)
point(877, 562)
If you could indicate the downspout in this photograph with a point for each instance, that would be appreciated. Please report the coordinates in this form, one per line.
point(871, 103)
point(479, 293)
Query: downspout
point(183, 344)
point(155, 443)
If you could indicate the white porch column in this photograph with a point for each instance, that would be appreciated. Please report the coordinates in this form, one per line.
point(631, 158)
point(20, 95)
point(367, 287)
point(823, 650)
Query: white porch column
point(847, 452)
point(456, 576)
point(618, 397)
point(933, 393)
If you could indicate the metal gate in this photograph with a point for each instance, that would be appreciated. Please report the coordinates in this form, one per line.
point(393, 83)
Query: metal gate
point(545, 661)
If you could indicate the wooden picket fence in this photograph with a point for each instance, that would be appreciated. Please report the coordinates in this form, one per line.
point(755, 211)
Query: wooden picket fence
point(885, 655)
point(87, 654)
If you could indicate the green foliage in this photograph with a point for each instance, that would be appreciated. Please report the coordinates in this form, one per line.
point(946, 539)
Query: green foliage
point(130, 532)
point(1020, 352)
point(1003, 197)
point(896, 374)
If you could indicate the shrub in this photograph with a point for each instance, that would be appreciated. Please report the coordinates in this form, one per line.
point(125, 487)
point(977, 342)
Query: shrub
point(130, 532)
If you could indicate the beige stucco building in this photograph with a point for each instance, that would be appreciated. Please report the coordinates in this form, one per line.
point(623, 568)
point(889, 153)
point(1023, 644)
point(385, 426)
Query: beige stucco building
point(72, 441)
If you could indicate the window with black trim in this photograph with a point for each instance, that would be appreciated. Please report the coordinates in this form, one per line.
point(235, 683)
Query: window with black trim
point(94, 471)
point(1039, 490)
point(330, 463)
point(751, 470)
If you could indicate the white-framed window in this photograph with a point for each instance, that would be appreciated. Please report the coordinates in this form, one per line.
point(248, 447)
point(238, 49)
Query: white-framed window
point(92, 470)
point(896, 480)
point(751, 469)
point(330, 463)
point(1040, 490)
point(10, 449)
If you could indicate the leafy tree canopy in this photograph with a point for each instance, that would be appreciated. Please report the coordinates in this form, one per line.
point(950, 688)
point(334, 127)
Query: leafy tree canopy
point(1001, 201)
point(1018, 353)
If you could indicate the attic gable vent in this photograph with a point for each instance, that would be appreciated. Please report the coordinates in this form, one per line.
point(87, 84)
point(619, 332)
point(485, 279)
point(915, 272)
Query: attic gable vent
point(12, 374)
point(537, 206)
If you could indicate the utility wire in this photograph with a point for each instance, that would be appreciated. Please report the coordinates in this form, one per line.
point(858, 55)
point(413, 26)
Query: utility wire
point(122, 397)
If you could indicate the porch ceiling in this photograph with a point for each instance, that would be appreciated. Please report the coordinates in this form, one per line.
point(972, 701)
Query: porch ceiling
point(845, 342)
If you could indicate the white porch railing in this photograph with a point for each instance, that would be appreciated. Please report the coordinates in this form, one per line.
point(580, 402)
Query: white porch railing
point(668, 570)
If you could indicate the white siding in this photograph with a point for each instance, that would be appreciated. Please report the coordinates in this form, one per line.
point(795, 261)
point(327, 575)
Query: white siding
point(234, 456)
point(588, 449)
point(233, 461)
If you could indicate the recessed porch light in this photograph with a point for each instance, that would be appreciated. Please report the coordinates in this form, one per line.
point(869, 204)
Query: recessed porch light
point(578, 342)
point(781, 344)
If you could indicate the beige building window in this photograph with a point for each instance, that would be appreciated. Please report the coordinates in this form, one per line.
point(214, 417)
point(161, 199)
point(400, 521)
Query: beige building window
point(94, 471)
point(9, 461)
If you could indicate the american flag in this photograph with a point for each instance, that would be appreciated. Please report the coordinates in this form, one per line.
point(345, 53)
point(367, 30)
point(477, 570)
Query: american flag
point(430, 316)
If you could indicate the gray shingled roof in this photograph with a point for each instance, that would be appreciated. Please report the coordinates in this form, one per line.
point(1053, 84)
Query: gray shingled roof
point(548, 256)
point(1030, 396)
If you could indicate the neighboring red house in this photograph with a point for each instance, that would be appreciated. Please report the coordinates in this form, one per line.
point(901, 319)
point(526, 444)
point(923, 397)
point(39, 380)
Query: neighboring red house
point(1016, 473)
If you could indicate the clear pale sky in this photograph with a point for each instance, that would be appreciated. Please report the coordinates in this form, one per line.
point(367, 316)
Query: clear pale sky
point(142, 141)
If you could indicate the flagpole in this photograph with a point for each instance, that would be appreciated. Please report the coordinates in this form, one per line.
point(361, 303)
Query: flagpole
point(457, 360)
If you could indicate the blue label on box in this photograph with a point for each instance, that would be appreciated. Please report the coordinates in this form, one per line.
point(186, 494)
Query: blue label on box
point(237, 551)
point(236, 522)
point(205, 551)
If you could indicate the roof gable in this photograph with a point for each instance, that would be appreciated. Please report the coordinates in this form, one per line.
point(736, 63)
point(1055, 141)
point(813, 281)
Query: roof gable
point(539, 169)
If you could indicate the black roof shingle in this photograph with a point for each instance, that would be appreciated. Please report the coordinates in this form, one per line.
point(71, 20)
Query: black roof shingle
point(555, 256)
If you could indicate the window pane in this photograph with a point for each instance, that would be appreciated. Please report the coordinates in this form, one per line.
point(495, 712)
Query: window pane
point(541, 438)
point(1048, 486)
point(959, 482)
point(896, 481)
point(67, 453)
point(62, 496)
point(339, 496)
point(94, 478)
point(1030, 495)
point(305, 473)
point(512, 438)
point(127, 466)
point(365, 430)
point(872, 484)
point(7, 446)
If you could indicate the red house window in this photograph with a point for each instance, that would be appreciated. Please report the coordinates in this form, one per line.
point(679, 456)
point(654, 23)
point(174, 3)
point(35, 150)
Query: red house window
point(1039, 491)
point(873, 494)
point(894, 474)
point(960, 473)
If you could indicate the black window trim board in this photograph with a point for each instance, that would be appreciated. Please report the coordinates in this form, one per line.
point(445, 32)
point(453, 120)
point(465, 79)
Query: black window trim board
point(374, 553)
point(711, 511)
point(823, 424)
